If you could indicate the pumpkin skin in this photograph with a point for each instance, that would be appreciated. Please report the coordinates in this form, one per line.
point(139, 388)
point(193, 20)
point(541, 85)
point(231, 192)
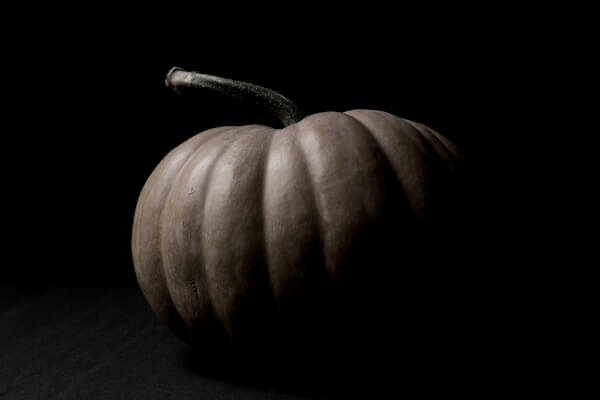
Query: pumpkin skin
point(245, 232)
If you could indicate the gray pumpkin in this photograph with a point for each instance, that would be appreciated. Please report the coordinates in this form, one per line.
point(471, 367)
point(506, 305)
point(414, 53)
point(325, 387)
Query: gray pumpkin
point(244, 230)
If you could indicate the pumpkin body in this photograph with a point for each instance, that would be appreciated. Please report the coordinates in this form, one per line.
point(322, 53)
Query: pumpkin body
point(240, 231)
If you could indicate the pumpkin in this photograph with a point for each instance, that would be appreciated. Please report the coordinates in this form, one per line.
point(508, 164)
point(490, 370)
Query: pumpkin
point(246, 232)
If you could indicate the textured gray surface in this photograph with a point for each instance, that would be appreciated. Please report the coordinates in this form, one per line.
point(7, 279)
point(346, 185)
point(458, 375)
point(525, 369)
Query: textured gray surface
point(107, 344)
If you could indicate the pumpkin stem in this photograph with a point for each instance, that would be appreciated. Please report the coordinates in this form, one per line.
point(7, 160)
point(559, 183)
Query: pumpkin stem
point(178, 79)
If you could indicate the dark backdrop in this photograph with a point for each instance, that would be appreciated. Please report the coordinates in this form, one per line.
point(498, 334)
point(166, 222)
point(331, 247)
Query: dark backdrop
point(93, 118)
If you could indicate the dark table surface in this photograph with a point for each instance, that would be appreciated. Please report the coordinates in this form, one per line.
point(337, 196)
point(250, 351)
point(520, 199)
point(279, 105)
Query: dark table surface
point(105, 343)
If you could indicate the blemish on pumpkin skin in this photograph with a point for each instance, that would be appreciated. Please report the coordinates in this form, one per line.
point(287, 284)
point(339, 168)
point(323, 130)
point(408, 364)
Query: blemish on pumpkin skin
point(195, 289)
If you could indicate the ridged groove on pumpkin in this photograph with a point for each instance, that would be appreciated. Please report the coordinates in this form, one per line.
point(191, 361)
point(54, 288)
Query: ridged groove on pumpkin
point(149, 265)
point(347, 200)
point(437, 146)
point(183, 263)
point(443, 168)
point(413, 165)
point(237, 279)
point(384, 154)
point(293, 228)
point(208, 321)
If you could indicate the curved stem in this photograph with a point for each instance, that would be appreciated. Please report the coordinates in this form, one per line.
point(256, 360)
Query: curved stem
point(178, 79)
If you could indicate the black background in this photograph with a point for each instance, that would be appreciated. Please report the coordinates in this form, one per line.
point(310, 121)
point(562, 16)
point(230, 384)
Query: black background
point(93, 118)
point(90, 118)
